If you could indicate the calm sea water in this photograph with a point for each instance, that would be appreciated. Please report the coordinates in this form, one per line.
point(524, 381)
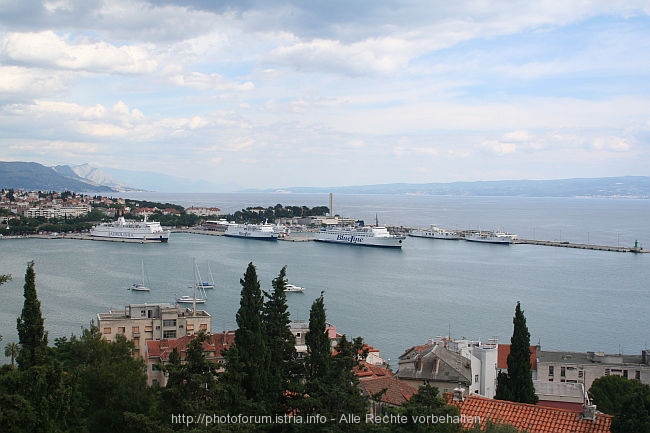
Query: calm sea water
point(573, 299)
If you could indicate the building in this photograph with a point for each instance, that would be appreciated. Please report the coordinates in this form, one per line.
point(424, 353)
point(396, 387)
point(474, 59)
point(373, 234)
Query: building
point(436, 365)
point(158, 351)
point(480, 378)
point(300, 328)
point(144, 322)
point(382, 388)
point(203, 211)
point(585, 367)
point(532, 418)
point(560, 395)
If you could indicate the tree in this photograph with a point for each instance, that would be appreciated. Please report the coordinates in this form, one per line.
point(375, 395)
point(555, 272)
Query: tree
point(517, 384)
point(31, 330)
point(628, 400)
point(11, 350)
point(251, 366)
point(319, 353)
point(427, 402)
point(280, 342)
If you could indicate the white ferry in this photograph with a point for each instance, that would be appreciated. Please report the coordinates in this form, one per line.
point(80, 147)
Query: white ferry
point(490, 237)
point(435, 232)
point(252, 231)
point(130, 231)
point(374, 236)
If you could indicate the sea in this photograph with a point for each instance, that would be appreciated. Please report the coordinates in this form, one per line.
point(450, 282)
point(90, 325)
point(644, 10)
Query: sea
point(573, 300)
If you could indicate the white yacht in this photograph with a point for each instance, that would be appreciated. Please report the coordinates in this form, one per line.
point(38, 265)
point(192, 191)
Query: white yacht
point(130, 231)
point(292, 288)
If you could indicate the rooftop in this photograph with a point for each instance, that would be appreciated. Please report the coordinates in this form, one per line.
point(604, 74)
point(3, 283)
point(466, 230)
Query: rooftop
point(533, 418)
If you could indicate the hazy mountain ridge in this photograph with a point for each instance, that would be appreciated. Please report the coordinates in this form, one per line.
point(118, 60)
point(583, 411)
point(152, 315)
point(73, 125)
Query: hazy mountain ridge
point(36, 177)
point(86, 178)
point(624, 186)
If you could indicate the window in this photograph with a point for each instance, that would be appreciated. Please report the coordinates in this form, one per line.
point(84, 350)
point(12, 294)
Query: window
point(148, 328)
point(169, 334)
point(551, 370)
point(154, 367)
point(563, 371)
point(121, 330)
point(203, 327)
point(607, 372)
point(637, 375)
point(297, 335)
point(143, 313)
point(581, 374)
point(476, 378)
point(107, 330)
point(625, 374)
point(169, 322)
point(190, 326)
point(135, 329)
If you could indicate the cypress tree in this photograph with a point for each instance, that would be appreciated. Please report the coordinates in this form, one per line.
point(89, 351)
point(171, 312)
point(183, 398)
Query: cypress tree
point(319, 355)
point(31, 330)
point(280, 342)
point(517, 384)
point(250, 341)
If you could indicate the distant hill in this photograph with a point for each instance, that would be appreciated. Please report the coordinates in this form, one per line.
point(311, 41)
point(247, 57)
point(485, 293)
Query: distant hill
point(625, 186)
point(36, 177)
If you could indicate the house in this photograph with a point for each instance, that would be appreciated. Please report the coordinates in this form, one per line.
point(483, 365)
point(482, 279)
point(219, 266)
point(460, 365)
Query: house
point(532, 418)
point(436, 365)
point(158, 351)
point(143, 322)
point(585, 367)
point(382, 388)
point(203, 211)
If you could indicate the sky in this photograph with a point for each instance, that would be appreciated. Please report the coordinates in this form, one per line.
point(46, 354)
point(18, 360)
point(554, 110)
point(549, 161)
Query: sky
point(280, 93)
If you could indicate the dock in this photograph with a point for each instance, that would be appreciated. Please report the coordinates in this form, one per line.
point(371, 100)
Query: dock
point(617, 249)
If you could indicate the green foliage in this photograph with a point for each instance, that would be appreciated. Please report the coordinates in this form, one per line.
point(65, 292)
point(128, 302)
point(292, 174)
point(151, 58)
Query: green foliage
point(628, 400)
point(11, 351)
point(492, 427)
point(31, 331)
point(517, 385)
point(281, 344)
point(318, 344)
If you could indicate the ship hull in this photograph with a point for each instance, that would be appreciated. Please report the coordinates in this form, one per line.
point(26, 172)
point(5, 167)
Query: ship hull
point(365, 241)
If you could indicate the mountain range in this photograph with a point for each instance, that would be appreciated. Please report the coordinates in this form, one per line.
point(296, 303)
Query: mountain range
point(85, 178)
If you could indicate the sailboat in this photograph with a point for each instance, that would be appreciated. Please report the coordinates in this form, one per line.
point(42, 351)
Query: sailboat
point(193, 299)
point(206, 284)
point(140, 287)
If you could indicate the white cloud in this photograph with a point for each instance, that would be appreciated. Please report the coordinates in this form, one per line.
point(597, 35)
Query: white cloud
point(47, 49)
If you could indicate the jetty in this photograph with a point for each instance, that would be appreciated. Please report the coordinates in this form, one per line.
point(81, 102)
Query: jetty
point(619, 249)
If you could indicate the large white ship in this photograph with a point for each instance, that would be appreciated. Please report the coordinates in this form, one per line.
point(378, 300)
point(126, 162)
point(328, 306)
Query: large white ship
point(374, 236)
point(264, 232)
point(435, 232)
point(130, 231)
point(490, 237)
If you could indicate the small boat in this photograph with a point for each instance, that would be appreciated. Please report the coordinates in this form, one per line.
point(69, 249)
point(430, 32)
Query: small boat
point(190, 300)
point(140, 287)
point(292, 288)
point(186, 299)
point(205, 284)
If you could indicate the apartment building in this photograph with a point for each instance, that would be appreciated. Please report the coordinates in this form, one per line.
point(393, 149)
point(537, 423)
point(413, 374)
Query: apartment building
point(144, 322)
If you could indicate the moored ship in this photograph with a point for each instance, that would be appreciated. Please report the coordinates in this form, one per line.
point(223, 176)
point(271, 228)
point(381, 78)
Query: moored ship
point(130, 231)
point(375, 236)
point(435, 232)
point(252, 231)
point(490, 237)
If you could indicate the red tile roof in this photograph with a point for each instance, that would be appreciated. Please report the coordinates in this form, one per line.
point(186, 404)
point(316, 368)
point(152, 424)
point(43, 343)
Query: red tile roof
point(535, 419)
point(370, 370)
point(397, 391)
point(504, 351)
point(215, 344)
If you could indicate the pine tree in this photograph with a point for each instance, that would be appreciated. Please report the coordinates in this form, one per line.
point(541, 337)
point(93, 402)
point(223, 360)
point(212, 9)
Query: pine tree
point(517, 385)
point(280, 342)
point(31, 330)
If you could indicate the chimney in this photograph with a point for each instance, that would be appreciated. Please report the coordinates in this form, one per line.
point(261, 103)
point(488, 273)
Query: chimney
point(589, 412)
point(331, 205)
point(459, 394)
point(645, 357)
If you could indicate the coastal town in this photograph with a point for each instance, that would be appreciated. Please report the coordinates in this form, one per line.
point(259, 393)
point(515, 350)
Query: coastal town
point(465, 371)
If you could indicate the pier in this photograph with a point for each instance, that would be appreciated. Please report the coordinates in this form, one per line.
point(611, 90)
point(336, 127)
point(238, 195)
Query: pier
point(617, 249)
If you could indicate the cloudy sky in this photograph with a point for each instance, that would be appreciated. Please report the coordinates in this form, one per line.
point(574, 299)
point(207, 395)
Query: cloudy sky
point(276, 93)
